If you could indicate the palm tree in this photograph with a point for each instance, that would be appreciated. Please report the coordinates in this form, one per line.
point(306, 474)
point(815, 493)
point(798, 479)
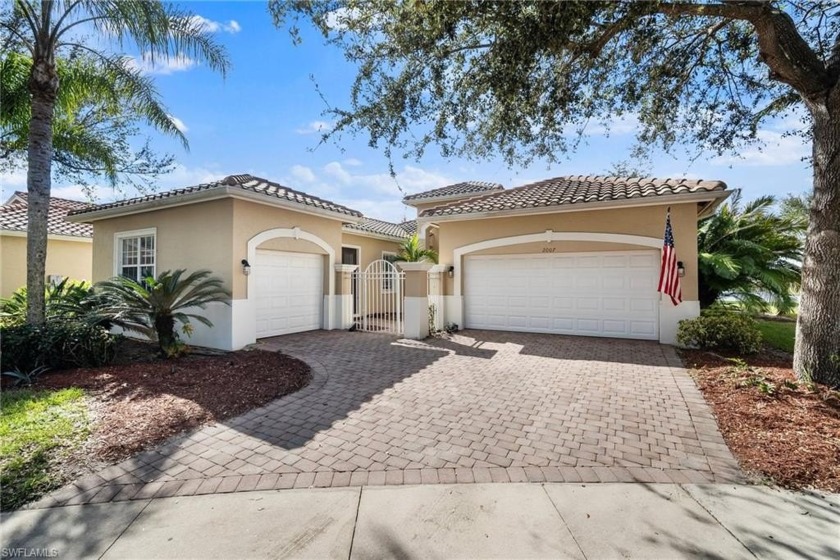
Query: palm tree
point(48, 28)
point(152, 306)
point(411, 251)
point(97, 113)
point(751, 254)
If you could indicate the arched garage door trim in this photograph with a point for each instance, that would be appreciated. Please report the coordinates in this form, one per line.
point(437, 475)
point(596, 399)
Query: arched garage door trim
point(297, 233)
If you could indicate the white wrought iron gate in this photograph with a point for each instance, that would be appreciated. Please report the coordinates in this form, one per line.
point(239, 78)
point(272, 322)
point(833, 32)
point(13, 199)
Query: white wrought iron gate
point(379, 296)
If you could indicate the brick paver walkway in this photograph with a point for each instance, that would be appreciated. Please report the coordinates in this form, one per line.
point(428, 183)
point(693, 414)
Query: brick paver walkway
point(480, 407)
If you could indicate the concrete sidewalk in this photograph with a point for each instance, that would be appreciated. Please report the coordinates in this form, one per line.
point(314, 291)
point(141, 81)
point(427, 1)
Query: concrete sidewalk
point(467, 520)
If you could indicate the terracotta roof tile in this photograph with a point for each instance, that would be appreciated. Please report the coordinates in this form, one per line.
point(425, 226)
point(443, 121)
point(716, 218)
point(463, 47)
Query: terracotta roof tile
point(372, 225)
point(409, 226)
point(466, 188)
point(244, 182)
point(15, 218)
point(573, 190)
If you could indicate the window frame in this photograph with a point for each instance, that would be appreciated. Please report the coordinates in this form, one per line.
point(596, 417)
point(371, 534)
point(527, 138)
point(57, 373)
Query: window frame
point(135, 233)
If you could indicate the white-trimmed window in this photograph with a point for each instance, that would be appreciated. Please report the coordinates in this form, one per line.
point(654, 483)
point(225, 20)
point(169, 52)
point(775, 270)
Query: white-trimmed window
point(135, 256)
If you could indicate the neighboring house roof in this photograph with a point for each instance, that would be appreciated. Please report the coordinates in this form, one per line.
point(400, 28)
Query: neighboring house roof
point(458, 190)
point(245, 183)
point(580, 189)
point(409, 226)
point(15, 216)
point(380, 227)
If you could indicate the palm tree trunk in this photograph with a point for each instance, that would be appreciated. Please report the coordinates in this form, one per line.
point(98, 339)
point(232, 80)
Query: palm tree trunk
point(817, 350)
point(43, 86)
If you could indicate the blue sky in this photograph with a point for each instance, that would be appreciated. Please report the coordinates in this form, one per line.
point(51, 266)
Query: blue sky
point(263, 119)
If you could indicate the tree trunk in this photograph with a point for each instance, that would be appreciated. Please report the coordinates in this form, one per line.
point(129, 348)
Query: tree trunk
point(165, 329)
point(706, 294)
point(43, 86)
point(817, 350)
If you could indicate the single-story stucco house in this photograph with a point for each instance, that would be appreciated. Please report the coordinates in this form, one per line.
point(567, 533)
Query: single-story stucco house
point(571, 255)
point(69, 244)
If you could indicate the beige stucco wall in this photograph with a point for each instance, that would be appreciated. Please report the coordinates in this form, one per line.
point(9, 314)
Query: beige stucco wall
point(646, 221)
point(66, 258)
point(370, 249)
point(195, 236)
point(214, 235)
point(251, 218)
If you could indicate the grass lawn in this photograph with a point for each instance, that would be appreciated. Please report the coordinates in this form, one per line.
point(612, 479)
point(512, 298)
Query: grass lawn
point(37, 429)
point(778, 334)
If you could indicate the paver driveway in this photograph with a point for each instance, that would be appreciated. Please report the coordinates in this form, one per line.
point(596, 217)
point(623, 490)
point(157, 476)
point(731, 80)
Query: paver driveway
point(479, 407)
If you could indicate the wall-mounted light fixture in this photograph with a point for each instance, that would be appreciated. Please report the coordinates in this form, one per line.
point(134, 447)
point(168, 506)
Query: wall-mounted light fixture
point(451, 271)
point(680, 269)
point(246, 267)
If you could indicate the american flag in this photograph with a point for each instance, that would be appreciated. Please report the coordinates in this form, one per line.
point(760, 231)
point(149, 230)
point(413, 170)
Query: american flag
point(669, 278)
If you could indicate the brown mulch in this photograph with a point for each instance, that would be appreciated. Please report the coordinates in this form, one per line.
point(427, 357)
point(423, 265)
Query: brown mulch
point(140, 404)
point(778, 428)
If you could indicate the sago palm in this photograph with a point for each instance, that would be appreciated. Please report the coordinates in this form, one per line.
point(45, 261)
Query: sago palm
point(153, 306)
point(411, 251)
point(47, 29)
point(749, 253)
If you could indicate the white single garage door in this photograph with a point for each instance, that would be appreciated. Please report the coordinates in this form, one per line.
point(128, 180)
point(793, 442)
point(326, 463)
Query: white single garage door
point(591, 294)
point(289, 292)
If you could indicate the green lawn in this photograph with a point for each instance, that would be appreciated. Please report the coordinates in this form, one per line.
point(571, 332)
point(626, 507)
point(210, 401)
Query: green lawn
point(37, 429)
point(778, 334)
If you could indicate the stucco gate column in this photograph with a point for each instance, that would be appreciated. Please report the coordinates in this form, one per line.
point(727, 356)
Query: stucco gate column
point(344, 294)
point(416, 301)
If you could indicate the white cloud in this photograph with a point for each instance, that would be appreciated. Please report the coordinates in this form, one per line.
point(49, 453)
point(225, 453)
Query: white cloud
point(625, 124)
point(315, 127)
point(411, 179)
point(338, 18)
point(774, 149)
point(211, 26)
point(161, 66)
point(377, 195)
point(13, 179)
point(97, 193)
point(179, 124)
point(303, 173)
point(183, 176)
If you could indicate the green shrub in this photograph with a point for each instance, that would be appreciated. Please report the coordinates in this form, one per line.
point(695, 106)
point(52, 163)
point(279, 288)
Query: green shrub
point(720, 329)
point(67, 300)
point(56, 345)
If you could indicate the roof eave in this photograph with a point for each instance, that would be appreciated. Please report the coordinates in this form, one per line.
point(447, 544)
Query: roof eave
point(208, 195)
point(373, 235)
point(50, 236)
point(583, 206)
point(712, 205)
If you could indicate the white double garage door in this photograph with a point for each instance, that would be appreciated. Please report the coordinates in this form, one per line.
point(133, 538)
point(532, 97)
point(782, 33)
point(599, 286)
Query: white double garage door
point(289, 292)
point(610, 294)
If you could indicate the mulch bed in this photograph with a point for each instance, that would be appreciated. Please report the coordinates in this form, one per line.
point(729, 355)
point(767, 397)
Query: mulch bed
point(140, 404)
point(779, 429)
